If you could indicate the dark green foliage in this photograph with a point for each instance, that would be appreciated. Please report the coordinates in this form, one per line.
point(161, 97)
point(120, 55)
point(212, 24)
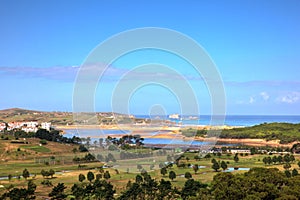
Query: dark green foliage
point(43, 142)
point(55, 136)
point(87, 158)
point(126, 141)
point(81, 177)
point(46, 183)
point(285, 132)
point(58, 191)
point(51, 172)
point(288, 173)
point(46, 174)
point(163, 171)
point(25, 173)
point(82, 148)
point(147, 188)
point(172, 175)
point(286, 166)
point(191, 132)
point(90, 176)
point(252, 150)
point(100, 189)
point(106, 175)
point(215, 165)
point(196, 168)
point(236, 158)
point(295, 172)
point(223, 165)
point(260, 182)
point(20, 193)
point(191, 187)
point(187, 175)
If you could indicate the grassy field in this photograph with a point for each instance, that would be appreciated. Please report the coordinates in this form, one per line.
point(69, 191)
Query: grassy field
point(37, 148)
point(59, 157)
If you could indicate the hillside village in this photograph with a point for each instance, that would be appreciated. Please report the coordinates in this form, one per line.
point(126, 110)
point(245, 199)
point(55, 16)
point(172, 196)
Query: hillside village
point(27, 126)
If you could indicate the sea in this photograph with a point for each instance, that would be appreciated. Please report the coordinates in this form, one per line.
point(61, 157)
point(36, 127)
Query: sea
point(230, 120)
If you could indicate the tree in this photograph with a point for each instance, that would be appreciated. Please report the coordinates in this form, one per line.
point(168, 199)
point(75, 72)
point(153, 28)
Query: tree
point(286, 166)
point(187, 175)
point(106, 175)
point(223, 165)
point(236, 158)
point(295, 172)
point(9, 177)
point(197, 158)
point(265, 160)
point(191, 187)
point(103, 190)
point(82, 148)
point(26, 173)
point(138, 179)
point(51, 173)
point(288, 173)
point(292, 158)
point(252, 150)
point(196, 168)
point(165, 190)
point(274, 159)
point(279, 159)
point(139, 167)
point(74, 150)
point(90, 176)
point(45, 173)
point(58, 191)
point(286, 158)
point(163, 171)
point(31, 187)
point(172, 175)
point(81, 177)
point(215, 166)
point(269, 160)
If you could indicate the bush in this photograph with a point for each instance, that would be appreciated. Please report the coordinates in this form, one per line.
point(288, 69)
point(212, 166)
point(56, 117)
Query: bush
point(46, 183)
point(43, 142)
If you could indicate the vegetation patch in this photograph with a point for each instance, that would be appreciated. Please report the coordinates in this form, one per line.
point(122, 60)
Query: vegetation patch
point(37, 148)
point(285, 132)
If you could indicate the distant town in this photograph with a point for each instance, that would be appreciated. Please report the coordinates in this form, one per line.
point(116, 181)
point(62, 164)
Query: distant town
point(27, 126)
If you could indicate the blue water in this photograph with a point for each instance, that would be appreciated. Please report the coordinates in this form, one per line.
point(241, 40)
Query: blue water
point(232, 120)
point(231, 169)
point(95, 134)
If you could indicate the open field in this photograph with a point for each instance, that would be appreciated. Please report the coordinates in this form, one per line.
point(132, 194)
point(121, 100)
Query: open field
point(59, 158)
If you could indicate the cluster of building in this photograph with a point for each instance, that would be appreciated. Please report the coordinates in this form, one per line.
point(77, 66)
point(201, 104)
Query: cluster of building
point(30, 126)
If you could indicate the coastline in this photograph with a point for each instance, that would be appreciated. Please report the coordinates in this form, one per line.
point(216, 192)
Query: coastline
point(167, 132)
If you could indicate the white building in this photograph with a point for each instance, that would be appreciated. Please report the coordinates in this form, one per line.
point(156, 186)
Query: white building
point(234, 151)
point(46, 125)
point(2, 126)
point(30, 126)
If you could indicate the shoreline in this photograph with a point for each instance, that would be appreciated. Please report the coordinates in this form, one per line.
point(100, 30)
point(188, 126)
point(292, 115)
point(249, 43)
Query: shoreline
point(168, 132)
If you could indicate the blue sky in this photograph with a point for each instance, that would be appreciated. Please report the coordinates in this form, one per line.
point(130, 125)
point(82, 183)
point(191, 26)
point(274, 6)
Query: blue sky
point(254, 44)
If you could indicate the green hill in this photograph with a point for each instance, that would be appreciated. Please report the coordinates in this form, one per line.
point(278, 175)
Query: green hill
point(285, 132)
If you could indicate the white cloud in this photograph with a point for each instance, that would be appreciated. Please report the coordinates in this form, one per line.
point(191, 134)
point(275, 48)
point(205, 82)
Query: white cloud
point(265, 96)
point(251, 100)
point(290, 98)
